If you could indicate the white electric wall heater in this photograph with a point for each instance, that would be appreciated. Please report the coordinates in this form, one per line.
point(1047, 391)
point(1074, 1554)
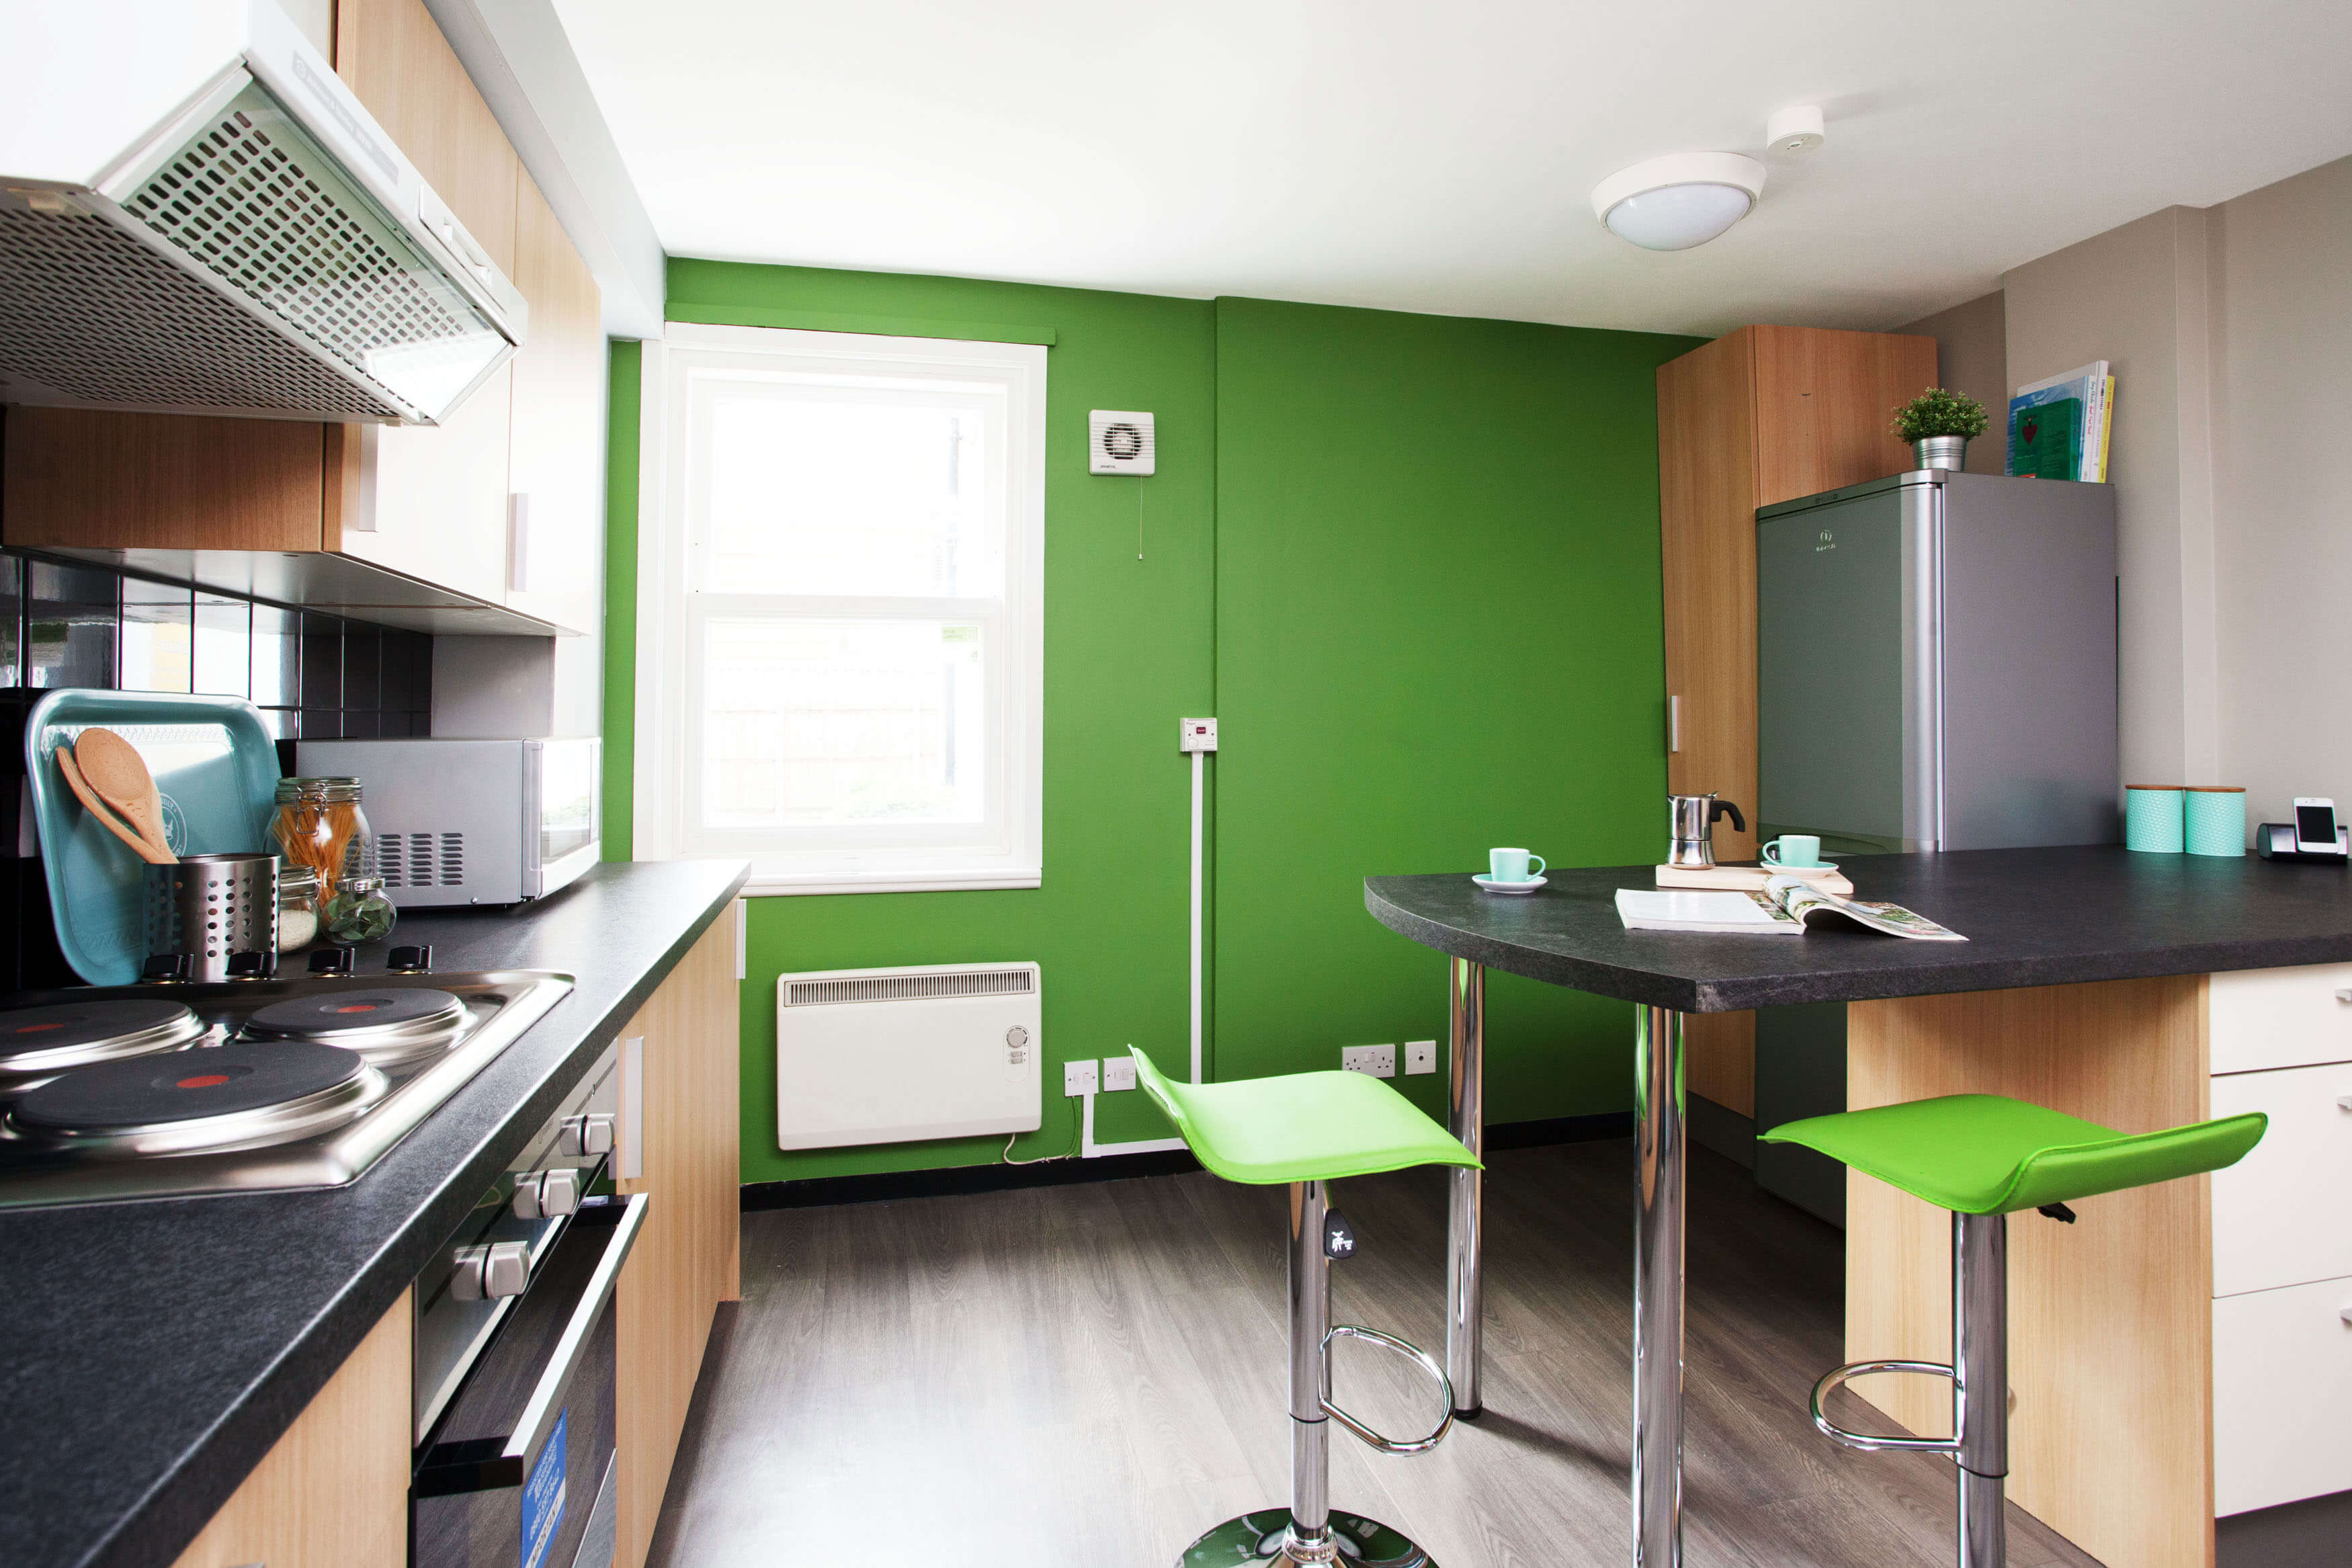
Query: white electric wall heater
point(884, 1056)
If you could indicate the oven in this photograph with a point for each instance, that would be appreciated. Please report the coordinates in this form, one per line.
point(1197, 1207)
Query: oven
point(515, 1356)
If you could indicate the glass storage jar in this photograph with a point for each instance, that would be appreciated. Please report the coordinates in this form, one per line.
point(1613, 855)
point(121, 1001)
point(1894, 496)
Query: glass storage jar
point(359, 912)
point(318, 824)
point(297, 907)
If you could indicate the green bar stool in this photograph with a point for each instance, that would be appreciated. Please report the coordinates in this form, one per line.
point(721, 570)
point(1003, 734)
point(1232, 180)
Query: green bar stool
point(1986, 1157)
point(1306, 1130)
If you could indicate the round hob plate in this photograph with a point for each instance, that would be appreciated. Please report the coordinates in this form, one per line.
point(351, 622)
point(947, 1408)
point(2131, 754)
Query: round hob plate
point(228, 1080)
point(1258, 1538)
point(354, 1011)
point(67, 1034)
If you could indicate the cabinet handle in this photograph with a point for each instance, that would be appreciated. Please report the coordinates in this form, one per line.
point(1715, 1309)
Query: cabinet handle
point(2344, 996)
point(1675, 743)
point(2344, 1101)
point(630, 1159)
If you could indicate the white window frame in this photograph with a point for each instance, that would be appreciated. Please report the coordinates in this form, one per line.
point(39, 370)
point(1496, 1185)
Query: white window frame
point(1013, 853)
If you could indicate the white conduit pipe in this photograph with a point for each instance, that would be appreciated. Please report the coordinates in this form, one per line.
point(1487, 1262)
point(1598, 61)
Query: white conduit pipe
point(1087, 1148)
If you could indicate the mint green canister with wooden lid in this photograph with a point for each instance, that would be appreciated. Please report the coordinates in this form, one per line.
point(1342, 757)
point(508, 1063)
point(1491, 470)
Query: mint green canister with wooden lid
point(2214, 820)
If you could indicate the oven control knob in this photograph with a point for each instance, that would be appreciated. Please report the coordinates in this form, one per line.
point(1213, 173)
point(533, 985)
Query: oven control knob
point(546, 1195)
point(586, 1136)
point(491, 1273)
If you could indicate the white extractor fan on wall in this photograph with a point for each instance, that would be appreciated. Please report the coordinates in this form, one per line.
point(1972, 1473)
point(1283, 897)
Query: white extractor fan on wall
point(1118, 441)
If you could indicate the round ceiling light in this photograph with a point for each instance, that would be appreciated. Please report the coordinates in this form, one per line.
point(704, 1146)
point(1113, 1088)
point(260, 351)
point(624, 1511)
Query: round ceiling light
point(1678, 201)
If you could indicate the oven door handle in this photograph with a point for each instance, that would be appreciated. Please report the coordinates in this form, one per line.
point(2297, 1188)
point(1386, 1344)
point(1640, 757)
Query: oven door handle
point(547, 1398)
point(546, 1402)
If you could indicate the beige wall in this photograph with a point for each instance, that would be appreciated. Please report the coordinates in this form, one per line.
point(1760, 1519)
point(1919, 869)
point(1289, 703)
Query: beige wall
point(2136, 296)
point(2282, 375)
point(2230, 331)
point(1972, 357)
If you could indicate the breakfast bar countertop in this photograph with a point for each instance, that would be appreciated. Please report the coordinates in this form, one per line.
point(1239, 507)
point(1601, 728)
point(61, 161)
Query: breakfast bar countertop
point(2033, 917)
point(156, 1349)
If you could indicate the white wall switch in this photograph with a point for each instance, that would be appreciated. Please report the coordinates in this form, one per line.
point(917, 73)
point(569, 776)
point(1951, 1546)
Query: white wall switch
point(1080, 1077)
point(1380, 1061)
point(1197, 735)
point(1420, 1056)
point(1118, 1073)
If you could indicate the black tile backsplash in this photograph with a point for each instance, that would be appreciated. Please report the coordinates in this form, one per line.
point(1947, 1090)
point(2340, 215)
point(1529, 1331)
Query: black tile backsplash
point(67, 624)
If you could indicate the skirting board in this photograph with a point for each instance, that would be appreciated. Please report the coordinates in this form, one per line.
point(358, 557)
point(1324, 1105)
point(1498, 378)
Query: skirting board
point(1723, 1130)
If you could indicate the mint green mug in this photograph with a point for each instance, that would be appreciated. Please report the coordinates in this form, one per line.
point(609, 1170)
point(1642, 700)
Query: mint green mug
point(1512, 865)
point(1798, 850)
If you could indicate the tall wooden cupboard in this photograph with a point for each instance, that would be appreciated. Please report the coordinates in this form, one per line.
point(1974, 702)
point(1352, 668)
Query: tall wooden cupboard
point(1759, 416)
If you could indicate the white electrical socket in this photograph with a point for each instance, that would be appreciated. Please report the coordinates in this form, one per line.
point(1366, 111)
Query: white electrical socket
point(1380, 1061)
point(1079, 1077)
point(1118, 1073)
point(1420, 1056)
point(1196, 735)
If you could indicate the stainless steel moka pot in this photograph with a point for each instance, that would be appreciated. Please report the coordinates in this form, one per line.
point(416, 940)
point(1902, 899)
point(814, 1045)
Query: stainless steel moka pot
point(1693, 818)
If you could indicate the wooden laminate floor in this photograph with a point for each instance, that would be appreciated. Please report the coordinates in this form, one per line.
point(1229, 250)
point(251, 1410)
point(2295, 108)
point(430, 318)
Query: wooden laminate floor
point(1092, 1374)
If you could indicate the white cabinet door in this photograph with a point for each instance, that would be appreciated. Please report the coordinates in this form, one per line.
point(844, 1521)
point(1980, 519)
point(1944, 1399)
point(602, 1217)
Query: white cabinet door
point(2283, 1216)
point(2281, 1396)
point(2280, 1018)
point(440, 503)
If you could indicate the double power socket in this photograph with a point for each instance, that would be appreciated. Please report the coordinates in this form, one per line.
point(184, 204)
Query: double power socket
point(1380, 1060)
point(1113, 1073)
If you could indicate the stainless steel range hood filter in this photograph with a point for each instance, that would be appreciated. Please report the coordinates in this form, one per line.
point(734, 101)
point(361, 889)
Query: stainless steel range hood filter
point(231, 263)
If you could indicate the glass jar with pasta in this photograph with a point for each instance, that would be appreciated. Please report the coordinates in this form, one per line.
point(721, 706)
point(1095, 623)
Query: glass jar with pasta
point(318, 824)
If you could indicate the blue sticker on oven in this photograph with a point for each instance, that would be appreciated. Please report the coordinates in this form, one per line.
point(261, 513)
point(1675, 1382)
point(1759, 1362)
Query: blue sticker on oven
point(543, 1497)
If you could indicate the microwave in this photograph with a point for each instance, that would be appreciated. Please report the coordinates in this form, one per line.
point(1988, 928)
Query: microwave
point(471, 821)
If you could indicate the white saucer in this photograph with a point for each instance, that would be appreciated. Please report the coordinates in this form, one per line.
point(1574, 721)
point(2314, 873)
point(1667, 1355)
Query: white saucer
point(1775, 869)
point(1515, 889)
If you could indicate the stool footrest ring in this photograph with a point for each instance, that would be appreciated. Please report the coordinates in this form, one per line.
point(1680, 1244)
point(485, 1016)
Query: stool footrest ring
point(1871, 1442)
point(1412, 1353)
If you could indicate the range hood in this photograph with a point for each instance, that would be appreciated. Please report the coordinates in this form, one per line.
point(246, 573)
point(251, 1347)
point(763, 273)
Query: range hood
point(197, 217)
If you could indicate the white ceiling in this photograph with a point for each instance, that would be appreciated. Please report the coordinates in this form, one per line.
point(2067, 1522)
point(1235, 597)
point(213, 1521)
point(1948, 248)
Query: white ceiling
point(1431, 156)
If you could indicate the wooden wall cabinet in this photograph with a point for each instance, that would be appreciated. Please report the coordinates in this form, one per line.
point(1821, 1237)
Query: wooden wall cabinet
point(685, 1260)
point(439, 507)
point(1760, 415)
point(558, 413)
point(334, 1490)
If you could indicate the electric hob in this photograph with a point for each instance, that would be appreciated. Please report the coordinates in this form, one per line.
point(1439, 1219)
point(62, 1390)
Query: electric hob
point(173, 1089)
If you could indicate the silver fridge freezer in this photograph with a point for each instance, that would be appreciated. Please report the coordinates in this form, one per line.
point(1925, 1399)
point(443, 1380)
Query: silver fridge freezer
point(1936, 670)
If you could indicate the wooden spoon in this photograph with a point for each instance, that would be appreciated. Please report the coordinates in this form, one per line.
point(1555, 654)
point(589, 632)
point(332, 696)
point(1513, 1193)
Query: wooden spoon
point(116, 771)
point(105, 819)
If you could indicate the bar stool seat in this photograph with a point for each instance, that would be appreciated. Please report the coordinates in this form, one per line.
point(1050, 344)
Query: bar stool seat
point(1987, 1154)
point(1303, 1131)
point(1984, 1157)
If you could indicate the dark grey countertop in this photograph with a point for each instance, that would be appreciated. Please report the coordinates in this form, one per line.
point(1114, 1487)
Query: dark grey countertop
point(2033, 917)
point(151, 1352)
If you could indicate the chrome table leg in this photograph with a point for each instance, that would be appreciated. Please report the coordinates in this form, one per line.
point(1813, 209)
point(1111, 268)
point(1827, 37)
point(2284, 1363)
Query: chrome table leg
point(1981, 1383)
point(1465, 1109)
point(1658, 1169)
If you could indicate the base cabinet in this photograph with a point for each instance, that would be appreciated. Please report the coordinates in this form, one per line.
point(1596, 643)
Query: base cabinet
point(2281, 1384)
point(679, 1105)
point(333, 1492)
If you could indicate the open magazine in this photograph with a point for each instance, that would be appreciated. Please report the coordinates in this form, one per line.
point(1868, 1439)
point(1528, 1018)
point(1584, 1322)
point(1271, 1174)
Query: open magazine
point(1781, 908)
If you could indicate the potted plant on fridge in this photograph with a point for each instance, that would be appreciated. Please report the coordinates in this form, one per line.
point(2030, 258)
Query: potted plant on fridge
point(1939, 424)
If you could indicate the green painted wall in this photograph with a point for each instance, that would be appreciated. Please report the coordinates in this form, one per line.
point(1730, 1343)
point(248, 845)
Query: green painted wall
point(1393, 479)
point(1438, 631)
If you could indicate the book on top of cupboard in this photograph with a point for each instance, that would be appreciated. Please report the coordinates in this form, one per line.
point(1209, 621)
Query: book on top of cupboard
point(2058, 428)
point(1783, 907)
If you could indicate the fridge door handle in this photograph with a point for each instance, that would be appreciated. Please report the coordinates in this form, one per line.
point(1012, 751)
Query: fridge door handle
point(1673, 723)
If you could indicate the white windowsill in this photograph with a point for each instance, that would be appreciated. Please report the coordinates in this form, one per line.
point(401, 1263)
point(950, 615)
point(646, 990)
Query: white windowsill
point(769, 884)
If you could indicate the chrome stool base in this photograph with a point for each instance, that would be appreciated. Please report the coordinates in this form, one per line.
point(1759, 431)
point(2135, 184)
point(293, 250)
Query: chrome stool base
point(1256, 1538)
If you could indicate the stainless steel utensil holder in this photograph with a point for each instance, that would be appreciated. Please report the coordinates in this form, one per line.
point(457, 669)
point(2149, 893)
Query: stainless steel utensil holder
point(212, 908)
